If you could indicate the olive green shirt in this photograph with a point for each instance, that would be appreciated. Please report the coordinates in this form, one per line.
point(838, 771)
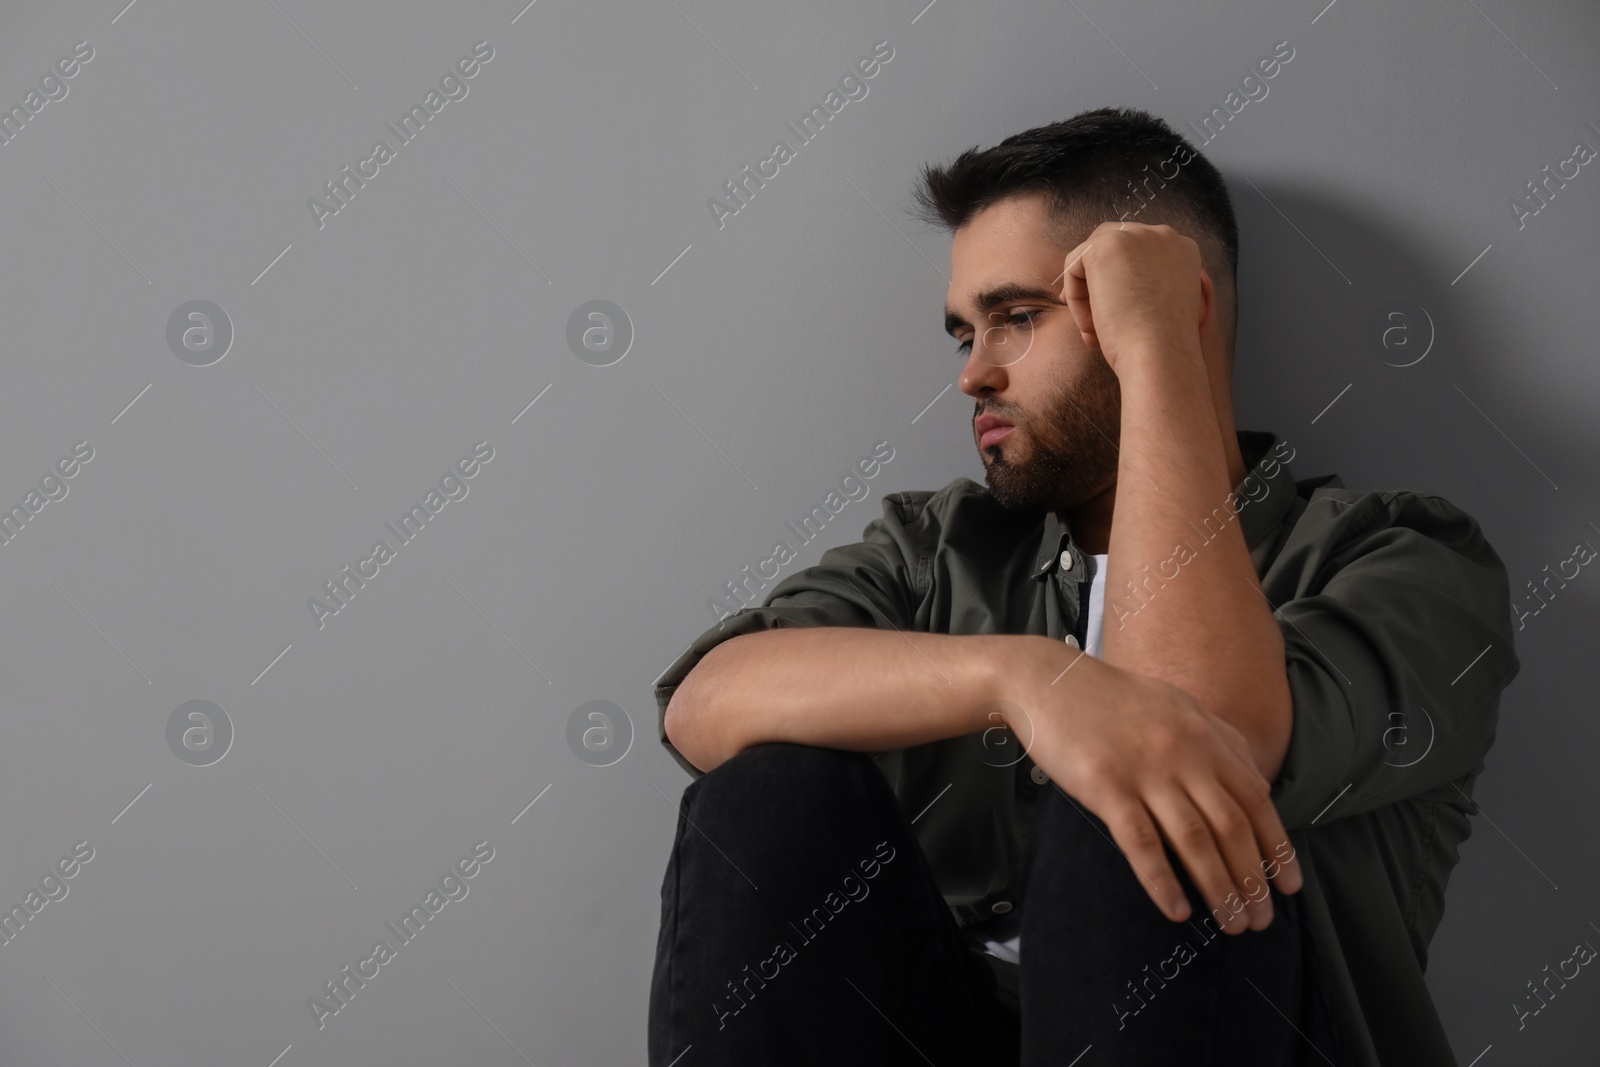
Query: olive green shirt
point(1396, 622)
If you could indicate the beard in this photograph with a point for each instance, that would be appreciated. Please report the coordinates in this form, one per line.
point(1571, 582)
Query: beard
point(1071, 451)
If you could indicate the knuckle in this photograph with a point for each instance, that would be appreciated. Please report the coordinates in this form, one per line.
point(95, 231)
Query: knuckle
point(1196, 726)
point(1258, 794)
point(1164, 740)
point(1194, 831)
point(1138, 835)
point(1232, 823)
point(1096, 768)
point(1179, 703)
point(1101, 768)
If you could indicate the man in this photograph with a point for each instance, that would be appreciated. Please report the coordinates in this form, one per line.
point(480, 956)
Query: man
point(1147, 753)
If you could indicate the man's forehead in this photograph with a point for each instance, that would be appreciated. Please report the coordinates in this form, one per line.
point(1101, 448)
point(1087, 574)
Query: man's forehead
point(982, 257)
point(1027, 270)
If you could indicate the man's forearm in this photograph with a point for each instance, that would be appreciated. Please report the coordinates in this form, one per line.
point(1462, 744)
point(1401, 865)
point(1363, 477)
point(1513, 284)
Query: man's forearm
point(1202, 625)
point(852, 688)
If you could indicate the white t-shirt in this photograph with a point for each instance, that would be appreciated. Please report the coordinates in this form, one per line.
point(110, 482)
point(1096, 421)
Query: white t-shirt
point(1010, 949)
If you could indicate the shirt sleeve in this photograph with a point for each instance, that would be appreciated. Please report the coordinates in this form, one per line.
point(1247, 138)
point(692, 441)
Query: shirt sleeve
point(1397, 650)
point(872, 583)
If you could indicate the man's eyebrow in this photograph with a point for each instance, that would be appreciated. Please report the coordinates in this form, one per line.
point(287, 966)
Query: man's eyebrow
point(1000, 294)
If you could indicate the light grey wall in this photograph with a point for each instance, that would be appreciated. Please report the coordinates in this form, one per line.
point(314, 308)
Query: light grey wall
point(371, 353)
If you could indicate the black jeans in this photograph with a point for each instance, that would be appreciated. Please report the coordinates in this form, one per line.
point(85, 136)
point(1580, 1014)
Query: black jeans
point(800, 924)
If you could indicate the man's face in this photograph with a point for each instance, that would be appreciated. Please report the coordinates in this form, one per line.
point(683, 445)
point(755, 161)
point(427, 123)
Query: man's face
point(1027, 364)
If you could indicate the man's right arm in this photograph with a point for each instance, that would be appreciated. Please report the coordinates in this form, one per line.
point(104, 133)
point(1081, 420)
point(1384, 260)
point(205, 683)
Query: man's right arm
point(1138, 752)
point(853, 688)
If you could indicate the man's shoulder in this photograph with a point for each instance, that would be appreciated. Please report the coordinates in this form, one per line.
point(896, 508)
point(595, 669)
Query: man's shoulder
point(959, 506)
point(958, 494)
point(1335, 515)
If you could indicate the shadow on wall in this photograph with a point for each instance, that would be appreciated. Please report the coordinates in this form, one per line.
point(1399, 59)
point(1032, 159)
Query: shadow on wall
point(1355, 346)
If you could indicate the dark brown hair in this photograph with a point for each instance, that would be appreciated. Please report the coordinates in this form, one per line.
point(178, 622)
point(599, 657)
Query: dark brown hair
point(1101, 165)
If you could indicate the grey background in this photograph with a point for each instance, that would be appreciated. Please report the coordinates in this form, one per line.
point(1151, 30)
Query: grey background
point(369, 755)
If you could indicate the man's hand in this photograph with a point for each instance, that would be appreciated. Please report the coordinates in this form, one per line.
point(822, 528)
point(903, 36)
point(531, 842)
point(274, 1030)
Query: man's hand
point(1136, 288)
point(1153, 764)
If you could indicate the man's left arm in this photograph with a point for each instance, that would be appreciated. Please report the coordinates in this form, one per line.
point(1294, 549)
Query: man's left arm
point(1178, 606)
point(1182, 608)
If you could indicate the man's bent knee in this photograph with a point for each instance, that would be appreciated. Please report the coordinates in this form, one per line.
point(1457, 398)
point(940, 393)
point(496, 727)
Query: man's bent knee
point(788, 770)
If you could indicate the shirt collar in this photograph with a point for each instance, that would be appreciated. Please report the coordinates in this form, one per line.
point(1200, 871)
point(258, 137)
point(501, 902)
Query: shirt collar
point(1262, 499)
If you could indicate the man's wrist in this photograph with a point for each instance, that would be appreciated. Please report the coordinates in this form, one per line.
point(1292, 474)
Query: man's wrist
point(994, 660)
point(1029, 666)
point(1154, 362)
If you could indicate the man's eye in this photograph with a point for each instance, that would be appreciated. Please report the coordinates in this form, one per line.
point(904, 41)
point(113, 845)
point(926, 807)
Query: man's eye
point(1026, 319)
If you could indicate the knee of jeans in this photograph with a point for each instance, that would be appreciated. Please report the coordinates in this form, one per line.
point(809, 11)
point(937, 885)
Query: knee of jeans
point(787, 769)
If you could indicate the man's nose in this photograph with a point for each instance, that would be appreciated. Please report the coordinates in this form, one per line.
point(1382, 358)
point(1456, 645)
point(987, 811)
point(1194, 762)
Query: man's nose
point(981, 374)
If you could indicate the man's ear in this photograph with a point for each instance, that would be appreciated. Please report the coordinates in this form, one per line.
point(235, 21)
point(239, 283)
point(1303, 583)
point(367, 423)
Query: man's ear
point(1216, 339)
point(1214, 332)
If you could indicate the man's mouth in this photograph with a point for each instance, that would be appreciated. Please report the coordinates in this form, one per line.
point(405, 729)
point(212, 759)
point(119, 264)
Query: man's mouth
point(991, 430)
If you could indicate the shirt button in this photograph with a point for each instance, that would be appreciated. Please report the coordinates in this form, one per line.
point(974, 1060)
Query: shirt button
point(1038, 776)
point(1066, 560)
point(1000, 907)
point(1072, 641)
